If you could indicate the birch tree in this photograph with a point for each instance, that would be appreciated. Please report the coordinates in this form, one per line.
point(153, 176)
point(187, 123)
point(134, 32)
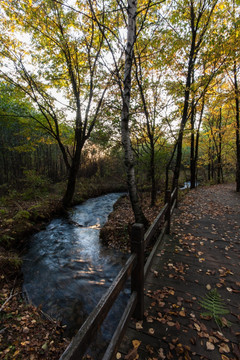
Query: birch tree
point(122, 70)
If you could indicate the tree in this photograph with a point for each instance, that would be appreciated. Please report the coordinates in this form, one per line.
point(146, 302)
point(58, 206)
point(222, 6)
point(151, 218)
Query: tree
point(129, 18)
point(218, 134)
point(235, 52)
point(197, 16)
point(24, 145)
point(65, 48)
point(152, 130)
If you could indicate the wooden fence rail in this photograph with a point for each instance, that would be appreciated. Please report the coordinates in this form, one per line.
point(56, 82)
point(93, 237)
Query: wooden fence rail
point(137, 268)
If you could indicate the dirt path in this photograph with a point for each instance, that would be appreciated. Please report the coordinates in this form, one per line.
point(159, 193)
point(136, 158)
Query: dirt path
point(202, 255)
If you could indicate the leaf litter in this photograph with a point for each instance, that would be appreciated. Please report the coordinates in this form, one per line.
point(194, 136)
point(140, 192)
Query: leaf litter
point(202, 256)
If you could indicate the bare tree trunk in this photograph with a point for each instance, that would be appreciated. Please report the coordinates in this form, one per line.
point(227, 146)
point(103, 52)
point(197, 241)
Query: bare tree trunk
point(126, 141)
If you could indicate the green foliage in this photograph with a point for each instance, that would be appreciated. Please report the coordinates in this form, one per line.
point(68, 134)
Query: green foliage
point(6, 240)
point(35, 212)
point(35, 184)
point(15, 261)
point(214, 305)
point(2, 212)
point(22, 215)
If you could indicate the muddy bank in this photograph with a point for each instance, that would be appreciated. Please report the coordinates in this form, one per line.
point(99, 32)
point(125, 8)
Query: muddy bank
point(116, 232)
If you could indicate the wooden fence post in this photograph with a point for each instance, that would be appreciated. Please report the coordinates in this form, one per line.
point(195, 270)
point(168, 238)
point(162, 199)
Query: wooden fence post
point(168, 213)
point(137, 279)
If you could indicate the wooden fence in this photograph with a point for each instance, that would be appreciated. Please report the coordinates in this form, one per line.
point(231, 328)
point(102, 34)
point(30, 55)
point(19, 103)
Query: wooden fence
point(137, 269)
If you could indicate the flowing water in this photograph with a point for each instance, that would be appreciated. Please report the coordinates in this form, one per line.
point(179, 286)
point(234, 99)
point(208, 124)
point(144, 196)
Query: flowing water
point(67, 269)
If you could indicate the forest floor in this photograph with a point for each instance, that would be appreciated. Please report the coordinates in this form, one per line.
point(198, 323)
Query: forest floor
point(192, 291)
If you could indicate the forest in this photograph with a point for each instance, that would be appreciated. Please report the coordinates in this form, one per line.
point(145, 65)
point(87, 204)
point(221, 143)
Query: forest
point(88, 86)
point(101, 96)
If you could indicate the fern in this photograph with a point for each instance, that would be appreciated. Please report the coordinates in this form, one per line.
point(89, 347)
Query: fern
point(214, 305)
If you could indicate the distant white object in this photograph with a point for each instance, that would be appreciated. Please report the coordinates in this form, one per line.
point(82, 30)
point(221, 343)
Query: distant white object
point(187, 185)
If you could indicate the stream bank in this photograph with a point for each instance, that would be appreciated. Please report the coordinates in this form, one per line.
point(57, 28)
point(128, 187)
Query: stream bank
point(42, 337)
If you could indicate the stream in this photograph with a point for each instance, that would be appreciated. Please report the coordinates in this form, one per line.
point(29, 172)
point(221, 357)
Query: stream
point(67, 269)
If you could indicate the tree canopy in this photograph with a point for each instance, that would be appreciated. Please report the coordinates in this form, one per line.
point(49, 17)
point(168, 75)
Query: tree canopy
point(158, 76)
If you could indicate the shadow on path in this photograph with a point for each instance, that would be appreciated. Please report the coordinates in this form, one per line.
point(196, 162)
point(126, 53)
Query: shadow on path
point(201, 254)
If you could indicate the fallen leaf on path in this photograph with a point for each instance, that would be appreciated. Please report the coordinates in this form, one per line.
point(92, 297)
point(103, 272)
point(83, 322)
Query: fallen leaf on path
point(149, 319)
point(193, 341)
point(197, 327)
point(203, 334)
point(150, 349)
point(224, 348)
point(210, 346)
point(205, 317)
point(161, 354)
point(182, 313)
point(177, 325)
point(139, 325)
point(213, 340)
point(136, 343)
point(220, 336)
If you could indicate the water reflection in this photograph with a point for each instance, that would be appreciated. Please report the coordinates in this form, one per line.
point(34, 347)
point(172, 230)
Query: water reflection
point(67, 269)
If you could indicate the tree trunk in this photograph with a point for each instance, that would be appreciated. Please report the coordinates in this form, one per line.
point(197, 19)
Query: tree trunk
point(237, 127)
point(197, 137)
point(126, 94)
point(192, 150)
point(73, 171)
point(219, 151)
point(153, 180)
point(167, 172)
point(197, 37)
point(185, 113)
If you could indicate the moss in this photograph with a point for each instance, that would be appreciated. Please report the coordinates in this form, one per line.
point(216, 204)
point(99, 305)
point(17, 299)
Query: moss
point(6, 240)
point(3, 212)
point(22, 214)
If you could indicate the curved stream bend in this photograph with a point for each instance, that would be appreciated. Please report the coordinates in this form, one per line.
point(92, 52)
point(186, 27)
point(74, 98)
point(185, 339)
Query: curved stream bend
point(67, 269)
